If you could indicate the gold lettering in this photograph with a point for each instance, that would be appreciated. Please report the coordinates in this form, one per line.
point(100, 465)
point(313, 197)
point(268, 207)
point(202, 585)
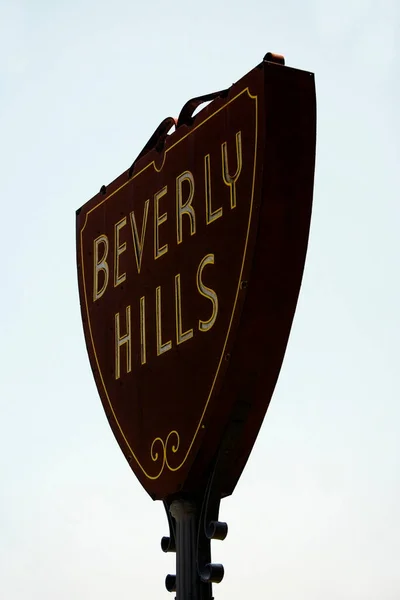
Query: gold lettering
point(161, 348)
point(207, 293)
point(121, 341)
point(231, 180)
point(180, 335)
point(100, 265)
point(210, 214)
point(158, 220)
point(118, 250)
point(138, 242)
point(142, 330)
point(184, 208)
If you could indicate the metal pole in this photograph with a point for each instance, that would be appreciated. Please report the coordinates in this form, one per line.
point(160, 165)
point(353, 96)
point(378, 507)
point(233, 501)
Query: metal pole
point(193, 523)
point(187, 581)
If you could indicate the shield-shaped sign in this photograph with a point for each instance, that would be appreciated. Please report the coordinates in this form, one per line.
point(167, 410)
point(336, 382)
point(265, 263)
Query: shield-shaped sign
point(190, 265)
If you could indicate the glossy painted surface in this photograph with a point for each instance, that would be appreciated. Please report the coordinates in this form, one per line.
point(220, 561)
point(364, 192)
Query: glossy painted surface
point(189, 273)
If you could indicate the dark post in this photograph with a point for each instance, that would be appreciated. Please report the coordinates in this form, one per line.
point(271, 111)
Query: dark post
point(193, 523)
point(187, 581)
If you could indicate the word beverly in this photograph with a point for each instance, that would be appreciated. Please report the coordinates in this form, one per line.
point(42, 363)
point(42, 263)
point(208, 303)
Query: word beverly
point(185, 206)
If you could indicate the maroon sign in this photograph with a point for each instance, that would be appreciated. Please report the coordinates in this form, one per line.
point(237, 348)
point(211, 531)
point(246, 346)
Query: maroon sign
point(189, 270)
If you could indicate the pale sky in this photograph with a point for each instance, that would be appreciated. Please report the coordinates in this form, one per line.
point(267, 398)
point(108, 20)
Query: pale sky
point(316, 513)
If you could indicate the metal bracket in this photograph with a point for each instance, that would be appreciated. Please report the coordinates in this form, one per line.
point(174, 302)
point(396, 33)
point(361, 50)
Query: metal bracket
point(157, 140)
point(210, 528)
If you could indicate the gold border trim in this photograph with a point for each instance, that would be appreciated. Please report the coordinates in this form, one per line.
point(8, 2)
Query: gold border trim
point(164, 445)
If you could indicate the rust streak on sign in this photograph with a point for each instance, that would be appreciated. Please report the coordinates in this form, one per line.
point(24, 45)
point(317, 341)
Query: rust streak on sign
point(189, 270)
